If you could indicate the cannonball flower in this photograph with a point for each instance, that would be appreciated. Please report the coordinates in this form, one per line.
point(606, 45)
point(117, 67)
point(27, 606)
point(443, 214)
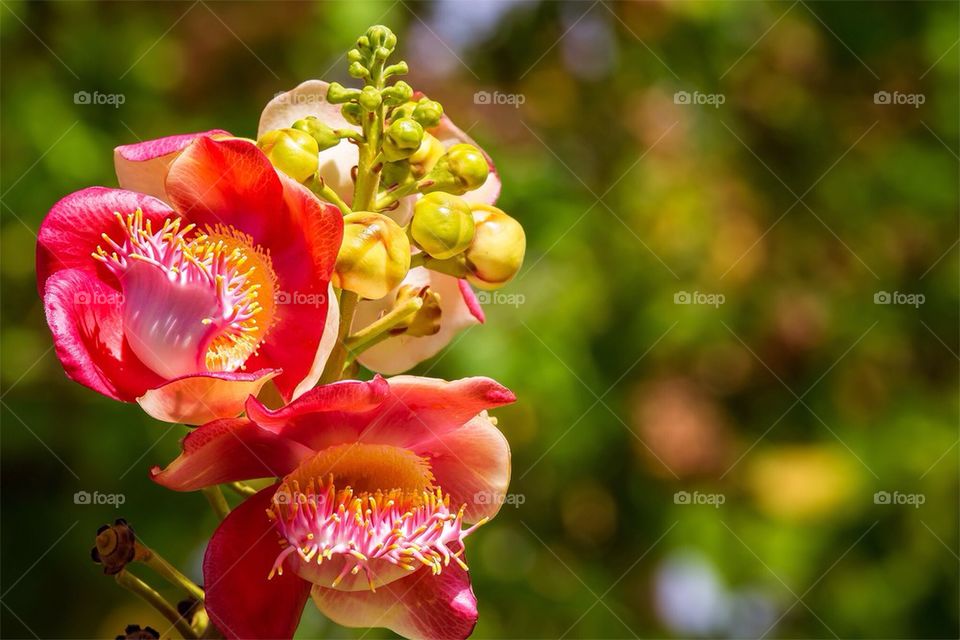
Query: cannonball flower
point(460, 308)
point(190, 288)
point(381, 481)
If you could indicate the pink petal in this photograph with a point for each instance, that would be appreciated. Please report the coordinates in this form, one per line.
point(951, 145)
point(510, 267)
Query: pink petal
point(87, 326)
point(71, 231)
point(202, 397)
point(240, 600)
point(231, 182)
point(459, 309)
point(421, 605)
point(310, 99)
point(402, 411)
point(227, 451)
point(142, 167)
point(472, 465)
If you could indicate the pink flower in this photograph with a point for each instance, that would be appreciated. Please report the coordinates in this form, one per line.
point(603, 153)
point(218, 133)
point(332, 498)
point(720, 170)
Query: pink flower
point(459, 306)
point(379, 482)
point(191, 303)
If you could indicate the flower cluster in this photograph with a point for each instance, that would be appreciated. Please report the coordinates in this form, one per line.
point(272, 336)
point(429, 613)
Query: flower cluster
point(238, 285)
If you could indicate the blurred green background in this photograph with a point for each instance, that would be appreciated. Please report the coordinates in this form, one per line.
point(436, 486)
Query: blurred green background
point(709, 469)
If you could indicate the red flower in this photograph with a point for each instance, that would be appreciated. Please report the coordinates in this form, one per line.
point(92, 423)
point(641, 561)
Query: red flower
point(379, 481)
point(190, 307)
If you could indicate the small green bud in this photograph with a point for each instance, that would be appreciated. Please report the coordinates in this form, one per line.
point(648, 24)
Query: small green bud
point(468, 164)
point(398, 69)
point(354, 55)
point(496, 253)
point(369, 98)
point(394, 173)
point(325, 136)
point(374, 256)
point(357, 70)
point(292, 151)
point(442, 225)
point(401, 139)
point(428, 113)
point(426, 321)
point(397, 94)
point(339, 94)
point(352, 113)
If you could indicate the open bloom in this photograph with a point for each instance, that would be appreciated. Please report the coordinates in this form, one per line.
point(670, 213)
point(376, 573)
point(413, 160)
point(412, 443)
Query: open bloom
point(381, 481)
point(191, 303)
point(459, 306)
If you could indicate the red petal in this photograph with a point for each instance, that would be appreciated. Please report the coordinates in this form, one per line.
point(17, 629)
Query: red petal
point(71, 231)
point(202, 397)
point(231, 182)
point(230, 450)
point(85, 320)
point(240, 600)
point(421, 605)
point(142, 167)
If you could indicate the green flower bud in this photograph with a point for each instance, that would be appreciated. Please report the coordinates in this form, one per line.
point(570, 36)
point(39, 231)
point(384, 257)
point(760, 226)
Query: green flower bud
point(395, 173)
point(374, 256)
point(357, 70)
point(397, 94)
point(338, 94)
point(468, 165)
point(428, 113)
point(496, 253)
point(426, 321)
point(425, 158)
point(292, 151)
point(442, 225)
point(352, 113)
point(319, 131)
point(402, 139)
point(369, 98)
point(398, 69)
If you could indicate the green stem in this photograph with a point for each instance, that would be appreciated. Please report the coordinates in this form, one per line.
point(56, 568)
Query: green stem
point(168, 572)
point(242, 488)
point(215, 497)
point(380, 329)
point(146, 592)
point(399, 192)
point(323, 190)
point(334, 367)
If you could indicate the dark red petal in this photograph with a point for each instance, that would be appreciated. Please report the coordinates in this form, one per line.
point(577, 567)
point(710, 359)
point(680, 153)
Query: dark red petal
point(240, 600)
point(229, 450)
point(71, 231)
point(85, 319)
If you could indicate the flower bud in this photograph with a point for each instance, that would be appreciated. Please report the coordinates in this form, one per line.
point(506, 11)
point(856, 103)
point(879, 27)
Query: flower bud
point(426, 321)
point(425, 158)
point(496, 253)
point(325, 136)
point(442, 225)
point(369, 98)
point(115, 547)
point(374, 256)
point(402, 139)
point(339, 94)
point(352, 113)
point(468, 165)
point(463, 168)
point(428, 113)
point(398, 94)
point(292, 151)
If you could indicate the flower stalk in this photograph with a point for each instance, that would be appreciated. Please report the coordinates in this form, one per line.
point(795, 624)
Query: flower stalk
point(137, 586)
